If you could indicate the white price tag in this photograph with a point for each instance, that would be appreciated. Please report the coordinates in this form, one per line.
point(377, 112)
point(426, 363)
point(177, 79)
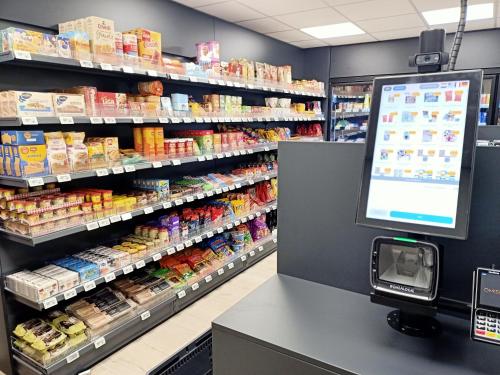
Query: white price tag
point(228, 154)
point(175, 120)
point(104, 222)
point(148, 210)
point(251, 217)
point(243, 258)
point(226, 119)
point(252, 253)
point(275, 240)
point(137, 120)
point(230, 266)
point(105, 66)
point(157, 164)
point(181, 294)
point(86, 64)
point(229, 226)
point(174, 76)
point(96, 120)
point(276, 118)
point(92, 226)
point(198, 119)
point(210, 157)
point(232, 187)
point(210, 193)
point(156, 257)
point(171, 250)
point(220, 230)
point(266, 178)
point(22, 55)
point(35, 181)
point(268, 210)
point(212, 81)
point(117, 170)
point(201, 158)
point(101, 172)
point(221, 82)
point(210, 234)
point(193, 79)
point(266, 148)
point(63, 177)
point(220, 271)
point(260, 248)
point(109, 120)
point(243, 219)
point(275, 207)
point(225, 189)
point(250, 151)
point(251, 182)
point(127, 269)
point(236, 153)
point(99, 342)
point(220, 156)
point(69, 294)
point(66, 120)
point(273, 89)
point(109, 277)
point(200, 196)
point(178, 202)
point(152, 73)
point(189, 198)
point(126, 216)
point(176, 162)
point(89, 286)
point(195, 286)
point(140, 264)
point(29, 120)
point(188, 243)
point(145, 315)
point(236, 223)
point(257, 214)
point(208, 278)
point(250, 86)
point(229, 83)
point(179, 247)
point(72, 357)
point(218, 191)
point(128, 69)
point(167, 205)
point(237, 185)
point(50, 302)
point(163, 120)
point(187, 120)
point(197, 239)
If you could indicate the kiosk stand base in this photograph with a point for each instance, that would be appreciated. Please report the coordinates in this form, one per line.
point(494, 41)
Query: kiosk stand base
point(413, 324)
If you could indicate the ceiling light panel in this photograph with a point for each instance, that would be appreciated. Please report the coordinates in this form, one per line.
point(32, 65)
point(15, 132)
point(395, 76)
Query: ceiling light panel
point(450, 15)
point(336, 30)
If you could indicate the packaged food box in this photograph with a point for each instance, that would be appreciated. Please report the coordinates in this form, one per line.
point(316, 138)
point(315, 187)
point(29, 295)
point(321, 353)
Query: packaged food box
point(130, 44)
point(101, 34)
point(56, 153)
point(49, 45)
point(110, 147)
point(17, 39)
point(29, 161)
point(97, 158)
point(107, 102)
point(63, 46)
point(180, 102)
point(148, 141)
point(80, 44)
point(208, 52)
point(27, 103)
point(17, 137)
point(148, 44)
point(118, 43)
point(69, 104)
point(89, 94)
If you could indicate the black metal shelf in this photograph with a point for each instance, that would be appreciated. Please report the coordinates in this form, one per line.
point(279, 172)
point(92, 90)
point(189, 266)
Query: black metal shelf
point(83, 358)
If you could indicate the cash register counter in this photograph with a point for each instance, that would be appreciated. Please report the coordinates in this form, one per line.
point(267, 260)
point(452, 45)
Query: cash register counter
point(291, 326)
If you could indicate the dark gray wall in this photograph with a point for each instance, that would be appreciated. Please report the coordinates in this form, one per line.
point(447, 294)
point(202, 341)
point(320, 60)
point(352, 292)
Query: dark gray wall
point(181, 27)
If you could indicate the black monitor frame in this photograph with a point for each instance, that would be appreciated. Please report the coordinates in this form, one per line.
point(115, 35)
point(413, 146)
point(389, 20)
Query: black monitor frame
point(470, 135)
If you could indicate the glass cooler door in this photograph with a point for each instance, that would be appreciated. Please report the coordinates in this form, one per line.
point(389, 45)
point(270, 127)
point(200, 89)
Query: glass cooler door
point(487, 107)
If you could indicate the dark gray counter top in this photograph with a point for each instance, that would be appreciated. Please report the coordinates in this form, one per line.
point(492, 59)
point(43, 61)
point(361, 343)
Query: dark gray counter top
point(344, 332)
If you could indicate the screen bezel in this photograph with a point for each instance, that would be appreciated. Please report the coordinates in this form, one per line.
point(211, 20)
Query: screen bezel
point(478, 289)
point(469, 147)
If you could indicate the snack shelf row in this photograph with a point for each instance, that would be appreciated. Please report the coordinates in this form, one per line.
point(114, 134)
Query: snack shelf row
point(51, 62)
point(69, 120)
point(351, 114)
point(119, 169)
point(101, 346)
point(106, 221)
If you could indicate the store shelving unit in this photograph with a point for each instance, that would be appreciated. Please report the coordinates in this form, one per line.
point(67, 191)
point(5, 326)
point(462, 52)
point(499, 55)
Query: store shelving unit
point(23, 252)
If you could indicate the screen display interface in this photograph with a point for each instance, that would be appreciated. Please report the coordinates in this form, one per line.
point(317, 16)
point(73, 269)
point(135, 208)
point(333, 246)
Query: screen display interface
point(489, 292)
point(418, 153)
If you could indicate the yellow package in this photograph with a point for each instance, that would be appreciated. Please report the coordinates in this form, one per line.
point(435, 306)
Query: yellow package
point(102, 35)
point(148, 44)
point(29, 161)
point(97, 158)
point(15, 39)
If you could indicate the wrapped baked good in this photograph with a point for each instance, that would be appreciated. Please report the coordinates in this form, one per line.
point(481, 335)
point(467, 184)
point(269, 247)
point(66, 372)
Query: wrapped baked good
point(150, 88)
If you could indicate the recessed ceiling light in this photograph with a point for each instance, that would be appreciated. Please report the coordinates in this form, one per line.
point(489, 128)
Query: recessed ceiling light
point(450, 15)
point(333, 31)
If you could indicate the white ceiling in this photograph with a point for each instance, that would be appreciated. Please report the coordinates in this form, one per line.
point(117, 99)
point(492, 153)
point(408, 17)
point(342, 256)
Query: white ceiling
point(380, 19)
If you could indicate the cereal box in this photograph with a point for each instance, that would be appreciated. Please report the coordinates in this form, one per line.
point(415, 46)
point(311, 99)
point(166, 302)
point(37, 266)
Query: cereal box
point(69, 104)
point(29, 161)
point(102, 35)
point(15, 137)
point(149, 44)
point(29, 103)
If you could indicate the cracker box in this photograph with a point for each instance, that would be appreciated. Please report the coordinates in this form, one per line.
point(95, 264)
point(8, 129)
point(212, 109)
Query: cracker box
point(2, 171)
point(148, 44)
point(119, 43)
point(16, 39)
point(15, 137)
point(89, 94)
point(102, 35)
point(106, 102)
point(69, 104)
point(56, 153)
point(29, 161)
point(29, 103)
point(130, 44)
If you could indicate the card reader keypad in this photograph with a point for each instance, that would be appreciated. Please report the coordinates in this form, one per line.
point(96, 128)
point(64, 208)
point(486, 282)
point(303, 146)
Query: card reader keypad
point(487, 325)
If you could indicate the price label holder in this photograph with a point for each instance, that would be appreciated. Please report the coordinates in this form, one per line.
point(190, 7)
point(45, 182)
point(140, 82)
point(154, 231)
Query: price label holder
point(193, 79)
point(187, 120)
point(105, 66)
point(268, 210)
point(29, 120)
point(210, 234)
point(260, 248)
point(148, 210)
point(69, 294)
point(156, 257)
point(92, 226)
point(251, 182)
point(210, 193)
point(145, 315)
point(221, 82)
point(198, 239)
point(96, 120)
point(189, 198)
point(236, 153)
point(86, 64)
point(212, 81)
point(109, 120)
point(137, 120)
point(126, 270)
point(126, 216)
point(218, 191)
point(175, 120)
point(63, 177)
point(117, 170)
point(176, 162)
point(195, 286)
point(232, 187)
point(237, 185)
point(181, 294)
point(209, 157)
point(140, 264)
point(225, 189)
point(236, 223)
point(174, 76)
point(230, 266)
point(163, 120)
point(220, 230)
point(243, 258)
point(266, 148)
point(178, 202)
point(229, 83)
point(171, 250)
point(128, 69)
point(257, 214)
point(101, 172)
point(157, 164)
point(109, 277)
point(229, 226)
point(167, 205)
point(89, 286)
point(152, 73)
point(188, 243)
point(49, 302)
point(275, 240)
point(66, 120)
point(252, 253)
point(228, 154)
point(99, 342)
point(35, 181)
point(250, 151)
point(251, 217)
point(72, 357)
point(220, 156)
point(198, 119)
point(179, 247)
point(103, 223)
point(200, 196)
point(243, 219)
point(266, 178)
point(201, 158)
point(250, 86)
point(220, 271)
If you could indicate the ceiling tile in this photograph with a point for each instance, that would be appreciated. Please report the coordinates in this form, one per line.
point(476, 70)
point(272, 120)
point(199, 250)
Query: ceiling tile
point(316, 17)
point(290, 36)
point(276, 7)
point(230, 11)
point(340, 2)
point(375, 9)
point(423, 5)
point(310, 43)
point(398, 34)
point(265, 25)
point(391, 23)
point(196, 3)
point(350, 40)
